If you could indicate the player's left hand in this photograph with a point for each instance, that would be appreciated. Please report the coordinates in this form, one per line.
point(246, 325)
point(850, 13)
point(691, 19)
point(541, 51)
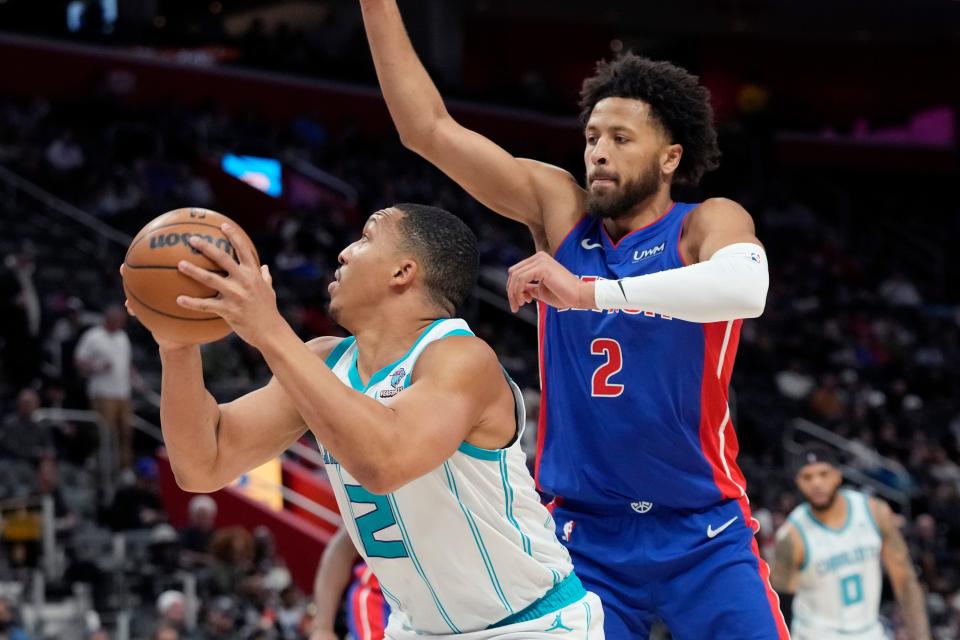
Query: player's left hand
point(541, 277)
point(246, 297)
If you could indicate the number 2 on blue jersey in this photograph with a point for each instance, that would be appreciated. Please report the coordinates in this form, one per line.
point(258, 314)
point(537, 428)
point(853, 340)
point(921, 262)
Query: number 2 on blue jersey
point(375, 521)
point(600, 385)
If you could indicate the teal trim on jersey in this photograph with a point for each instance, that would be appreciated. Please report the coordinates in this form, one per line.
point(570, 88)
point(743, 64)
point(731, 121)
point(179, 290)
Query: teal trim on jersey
point(477, 538)
point(456, 332)
point(492, 455)
point(418, 566)
point(803, 540)
point(556, 577)
point(390, 596)
point(334, 356)
point(873, 520)
point(357, 383)
point(508, 499)
point(353, 375)
point(569, 591)
point(831, 529)
point(586, 606)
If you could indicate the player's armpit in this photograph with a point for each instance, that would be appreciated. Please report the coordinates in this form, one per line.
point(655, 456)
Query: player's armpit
point(899, 567)
point(458, 391)
point(715, 224)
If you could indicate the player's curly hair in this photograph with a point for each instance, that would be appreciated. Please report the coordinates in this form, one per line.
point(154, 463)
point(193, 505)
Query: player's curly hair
point(677, 100)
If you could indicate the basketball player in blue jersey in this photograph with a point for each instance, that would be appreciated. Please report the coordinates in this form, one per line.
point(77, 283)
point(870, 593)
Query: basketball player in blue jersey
point(641, 301)
point(830, 556)
point(418, 424)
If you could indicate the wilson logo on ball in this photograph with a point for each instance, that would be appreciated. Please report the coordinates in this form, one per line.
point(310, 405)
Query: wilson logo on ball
point(163, 241)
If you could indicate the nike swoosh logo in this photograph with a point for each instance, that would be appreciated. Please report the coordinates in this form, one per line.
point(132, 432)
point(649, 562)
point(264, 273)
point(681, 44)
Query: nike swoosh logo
point(586, 244)
point(713, 533)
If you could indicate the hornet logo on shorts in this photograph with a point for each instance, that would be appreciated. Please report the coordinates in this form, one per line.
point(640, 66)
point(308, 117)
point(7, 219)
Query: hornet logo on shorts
point(396, 381)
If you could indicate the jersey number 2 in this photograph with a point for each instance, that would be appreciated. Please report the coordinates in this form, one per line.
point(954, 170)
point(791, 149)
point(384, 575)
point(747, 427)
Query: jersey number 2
point(601, 387)
point(374, 521)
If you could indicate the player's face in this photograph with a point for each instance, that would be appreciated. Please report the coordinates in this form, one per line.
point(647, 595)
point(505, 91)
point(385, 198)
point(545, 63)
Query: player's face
point(819, 484)
point(366, 267)
point(624, 151)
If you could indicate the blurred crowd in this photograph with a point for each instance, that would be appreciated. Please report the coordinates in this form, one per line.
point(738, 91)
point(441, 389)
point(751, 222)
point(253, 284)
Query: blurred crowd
point(856, 338)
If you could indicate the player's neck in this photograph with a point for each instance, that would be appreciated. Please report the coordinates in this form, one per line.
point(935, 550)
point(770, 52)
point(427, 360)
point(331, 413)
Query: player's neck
point(834, 516)
point(642, 215)
point(387, 340)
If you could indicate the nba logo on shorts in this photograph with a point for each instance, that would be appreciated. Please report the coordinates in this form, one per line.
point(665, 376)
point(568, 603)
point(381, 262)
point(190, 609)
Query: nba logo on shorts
point(642, 506)
point(568, 530)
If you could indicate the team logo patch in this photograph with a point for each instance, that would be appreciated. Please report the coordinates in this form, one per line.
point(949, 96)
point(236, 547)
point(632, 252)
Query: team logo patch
point(642, 506)
point(396, 383)
point(568, 529)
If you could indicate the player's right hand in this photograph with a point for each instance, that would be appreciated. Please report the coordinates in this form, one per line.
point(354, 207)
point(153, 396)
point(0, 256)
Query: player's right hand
point(167, 345)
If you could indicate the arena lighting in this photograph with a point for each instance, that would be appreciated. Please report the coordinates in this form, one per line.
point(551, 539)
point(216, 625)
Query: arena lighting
point(263, 174)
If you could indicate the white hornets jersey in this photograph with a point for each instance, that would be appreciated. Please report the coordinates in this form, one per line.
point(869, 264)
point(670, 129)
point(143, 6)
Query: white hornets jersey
point(838, 595)
point(464, 547)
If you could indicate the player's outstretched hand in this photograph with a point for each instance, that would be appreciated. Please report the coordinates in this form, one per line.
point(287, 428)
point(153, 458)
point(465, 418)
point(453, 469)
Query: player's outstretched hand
point(246, 297)
point(541, 277)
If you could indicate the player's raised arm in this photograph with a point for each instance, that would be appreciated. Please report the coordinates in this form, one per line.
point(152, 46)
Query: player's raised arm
point(785, 570)
point(523, 190)
point(899, 567)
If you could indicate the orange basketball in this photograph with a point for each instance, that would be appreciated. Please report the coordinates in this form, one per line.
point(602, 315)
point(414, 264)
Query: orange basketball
point(152, 281)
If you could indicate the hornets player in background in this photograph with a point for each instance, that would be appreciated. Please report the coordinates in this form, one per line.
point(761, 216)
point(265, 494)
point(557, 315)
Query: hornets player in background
point(830, 556)
point(418, 422)
point(641, 303)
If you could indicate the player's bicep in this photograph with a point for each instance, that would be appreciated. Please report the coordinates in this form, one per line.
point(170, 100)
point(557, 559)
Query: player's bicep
point(254, 429)
point(718, 223)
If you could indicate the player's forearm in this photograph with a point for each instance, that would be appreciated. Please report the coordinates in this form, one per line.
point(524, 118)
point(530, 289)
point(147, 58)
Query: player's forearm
point(411, 96)
point(912, 603)
point(333, 576)
point(359, 431)
point(188, 419)
point(731, 285)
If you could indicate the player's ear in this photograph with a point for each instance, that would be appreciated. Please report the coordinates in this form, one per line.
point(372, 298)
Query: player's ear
point(404, 272)
point(670, 159)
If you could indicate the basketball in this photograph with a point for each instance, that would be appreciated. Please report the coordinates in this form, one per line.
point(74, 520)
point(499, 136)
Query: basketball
point(152, 281)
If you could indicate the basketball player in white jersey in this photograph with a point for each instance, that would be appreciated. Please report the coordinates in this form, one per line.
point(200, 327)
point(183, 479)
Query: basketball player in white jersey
point(418, 423)
point(830, 556)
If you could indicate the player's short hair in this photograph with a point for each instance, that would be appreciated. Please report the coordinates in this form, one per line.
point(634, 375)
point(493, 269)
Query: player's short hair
point(678, 102)
point(446, 249)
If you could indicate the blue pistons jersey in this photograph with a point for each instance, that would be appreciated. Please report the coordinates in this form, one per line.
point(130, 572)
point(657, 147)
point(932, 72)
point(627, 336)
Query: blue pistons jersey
point(634, 406)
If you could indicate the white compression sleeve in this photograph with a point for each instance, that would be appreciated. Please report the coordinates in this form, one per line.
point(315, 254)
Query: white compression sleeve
point(732, 284)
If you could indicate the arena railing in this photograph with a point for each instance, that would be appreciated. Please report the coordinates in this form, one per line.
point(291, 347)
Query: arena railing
point(801, 432)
